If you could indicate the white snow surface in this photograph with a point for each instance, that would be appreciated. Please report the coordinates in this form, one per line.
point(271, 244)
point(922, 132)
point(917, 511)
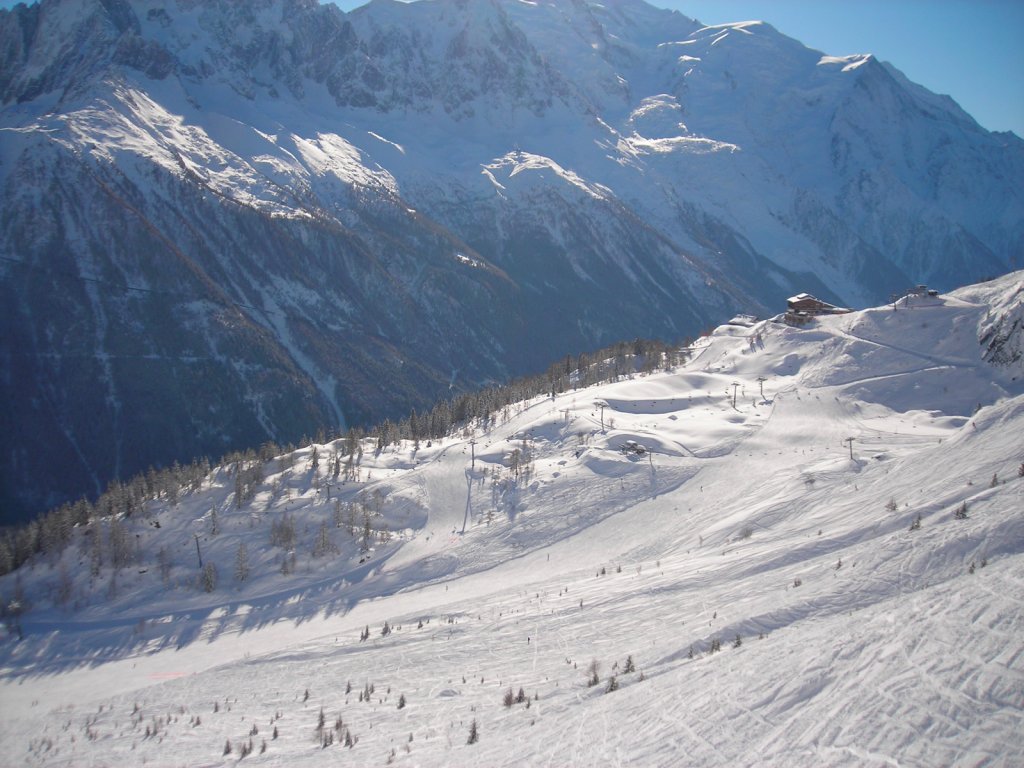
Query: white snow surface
point(863, 642)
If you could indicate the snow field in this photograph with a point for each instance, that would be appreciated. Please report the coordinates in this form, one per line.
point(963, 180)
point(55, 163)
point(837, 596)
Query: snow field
point(861, 641)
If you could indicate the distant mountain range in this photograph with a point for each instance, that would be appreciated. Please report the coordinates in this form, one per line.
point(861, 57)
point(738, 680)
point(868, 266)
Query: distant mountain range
point(223, 223)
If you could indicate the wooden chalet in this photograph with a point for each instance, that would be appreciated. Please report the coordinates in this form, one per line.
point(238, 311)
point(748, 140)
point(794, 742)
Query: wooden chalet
point(803, 307)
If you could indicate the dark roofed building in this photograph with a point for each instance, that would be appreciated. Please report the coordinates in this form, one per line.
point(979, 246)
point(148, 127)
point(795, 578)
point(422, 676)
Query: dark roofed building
point(800, 309)
point(804, 302)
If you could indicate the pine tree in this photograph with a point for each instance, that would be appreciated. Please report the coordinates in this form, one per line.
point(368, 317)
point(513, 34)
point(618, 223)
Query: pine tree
point(164, 563)
point(64, 586)
point(241, 562)
point(208, 578)
point(474, 733)
point(121, 549)
point(323, 544)
point(364, 544)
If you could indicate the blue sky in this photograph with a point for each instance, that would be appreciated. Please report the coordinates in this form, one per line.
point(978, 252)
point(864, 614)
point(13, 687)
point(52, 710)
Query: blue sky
point(972, 50)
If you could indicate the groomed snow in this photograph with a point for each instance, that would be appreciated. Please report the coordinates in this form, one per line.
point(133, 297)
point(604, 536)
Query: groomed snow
point(862, 642)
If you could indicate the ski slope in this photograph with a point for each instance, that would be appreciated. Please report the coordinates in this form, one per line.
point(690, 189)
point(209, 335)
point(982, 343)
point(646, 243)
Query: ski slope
point(862, 641)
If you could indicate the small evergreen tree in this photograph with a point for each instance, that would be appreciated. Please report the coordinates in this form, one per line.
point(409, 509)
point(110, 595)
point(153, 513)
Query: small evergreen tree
point(323, 544)
point(208, 578)
point(241, 562)
point(474, 733)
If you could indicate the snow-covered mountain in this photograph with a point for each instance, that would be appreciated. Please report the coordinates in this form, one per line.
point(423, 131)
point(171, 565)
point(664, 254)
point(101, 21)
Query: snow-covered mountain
point(755, 588)
point(226, 222)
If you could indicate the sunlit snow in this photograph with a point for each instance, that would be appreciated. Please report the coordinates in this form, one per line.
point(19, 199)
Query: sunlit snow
point(809, 531)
